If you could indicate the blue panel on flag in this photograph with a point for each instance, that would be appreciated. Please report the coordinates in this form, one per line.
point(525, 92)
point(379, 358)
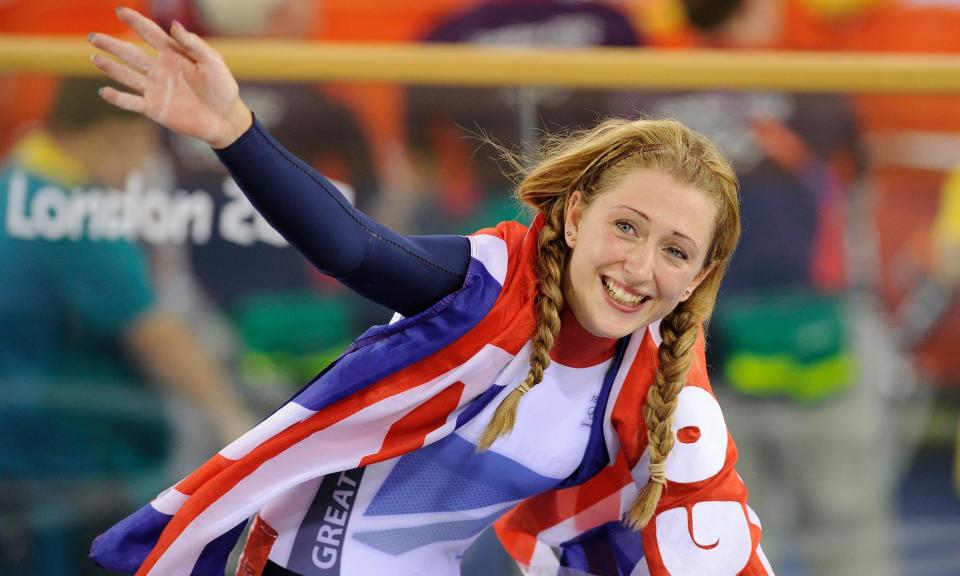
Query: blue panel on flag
point(448, 475)
point(478, 404)
point(213, 559)
point(126, 545)
point(400, 540)
point(611, 548)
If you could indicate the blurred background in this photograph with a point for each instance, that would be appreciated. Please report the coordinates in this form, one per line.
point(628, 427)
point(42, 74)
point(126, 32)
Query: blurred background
point(148, 315)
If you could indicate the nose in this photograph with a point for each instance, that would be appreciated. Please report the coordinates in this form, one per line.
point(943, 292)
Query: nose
point(638, 266)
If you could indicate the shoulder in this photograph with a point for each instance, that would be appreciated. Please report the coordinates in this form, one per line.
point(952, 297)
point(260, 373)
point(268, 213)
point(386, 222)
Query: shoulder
point(498, 248)
point(509, 231)
point(509, 234)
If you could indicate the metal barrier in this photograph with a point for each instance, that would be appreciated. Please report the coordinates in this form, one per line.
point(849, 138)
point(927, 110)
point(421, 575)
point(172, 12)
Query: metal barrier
point(606, 68)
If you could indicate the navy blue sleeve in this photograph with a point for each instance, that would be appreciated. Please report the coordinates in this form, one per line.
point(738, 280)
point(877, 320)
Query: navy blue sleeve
point(404, 273)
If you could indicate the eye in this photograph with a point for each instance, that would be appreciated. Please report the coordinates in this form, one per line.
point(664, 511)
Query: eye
point(625, 227)
point(675, 252)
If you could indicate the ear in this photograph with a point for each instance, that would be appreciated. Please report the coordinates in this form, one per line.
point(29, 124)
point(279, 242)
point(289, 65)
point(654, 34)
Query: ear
point(697, 280)
point(571, 224)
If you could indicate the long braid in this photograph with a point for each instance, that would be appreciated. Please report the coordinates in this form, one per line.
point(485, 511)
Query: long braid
point(675, 355)
point(551, 259)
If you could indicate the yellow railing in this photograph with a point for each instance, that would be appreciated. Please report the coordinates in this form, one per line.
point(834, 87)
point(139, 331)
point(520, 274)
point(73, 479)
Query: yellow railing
point(607, 68)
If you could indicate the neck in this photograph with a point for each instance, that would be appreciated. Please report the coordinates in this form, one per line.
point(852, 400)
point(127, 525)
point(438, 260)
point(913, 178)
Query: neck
point(577, 348)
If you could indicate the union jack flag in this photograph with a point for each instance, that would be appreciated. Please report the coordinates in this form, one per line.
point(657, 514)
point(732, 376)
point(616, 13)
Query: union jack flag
point(407, 394)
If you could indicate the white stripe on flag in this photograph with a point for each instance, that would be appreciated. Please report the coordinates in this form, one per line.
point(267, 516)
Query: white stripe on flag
point(579, 523)
point(492, 253)
point(543, 561)
point(169, 501)
point(286, 416)
point(641, 569)
point(285, 514)
point(655, 332)
point(764, 561)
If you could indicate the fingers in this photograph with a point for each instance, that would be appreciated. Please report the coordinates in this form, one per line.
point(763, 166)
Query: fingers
point(194, 46)
point(130, 102)
point(149, 30)
point(125, 51)
point(119, 72)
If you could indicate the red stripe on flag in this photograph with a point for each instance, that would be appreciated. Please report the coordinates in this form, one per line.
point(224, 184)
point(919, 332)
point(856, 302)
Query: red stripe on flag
point(211, 468)
point(627, 414)
point(409, 432)
point(546, 510)
point(519, 544)
point(518, 528)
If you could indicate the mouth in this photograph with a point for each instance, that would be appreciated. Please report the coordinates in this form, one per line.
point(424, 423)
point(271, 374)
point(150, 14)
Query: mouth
point(622, 297)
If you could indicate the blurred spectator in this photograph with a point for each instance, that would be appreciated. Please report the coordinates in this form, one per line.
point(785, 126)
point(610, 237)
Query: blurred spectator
point(910, 149)
point(289, 320)
point(913, 143)
point(440, 119)
point(946, 238)
point(85, 437)
point(802, 359)
point(24, 98)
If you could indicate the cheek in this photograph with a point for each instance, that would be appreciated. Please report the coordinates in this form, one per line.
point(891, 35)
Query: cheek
point(673, 282)
point(580, 271)
point(587, 264)
point(604, 250)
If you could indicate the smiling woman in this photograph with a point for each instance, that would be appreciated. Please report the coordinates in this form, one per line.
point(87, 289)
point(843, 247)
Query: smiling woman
point(416, 439)
point(650, 213)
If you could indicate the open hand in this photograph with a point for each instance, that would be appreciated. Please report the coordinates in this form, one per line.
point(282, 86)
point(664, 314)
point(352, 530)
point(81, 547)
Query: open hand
point(186, 86)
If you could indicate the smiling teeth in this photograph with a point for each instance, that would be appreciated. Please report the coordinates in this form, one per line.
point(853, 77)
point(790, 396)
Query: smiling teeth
point(621, 296)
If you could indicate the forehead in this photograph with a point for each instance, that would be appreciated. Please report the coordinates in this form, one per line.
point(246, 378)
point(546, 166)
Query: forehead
point(667, 202)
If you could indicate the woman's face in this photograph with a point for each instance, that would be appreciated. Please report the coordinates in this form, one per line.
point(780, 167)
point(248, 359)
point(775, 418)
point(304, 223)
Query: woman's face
point(636, 250)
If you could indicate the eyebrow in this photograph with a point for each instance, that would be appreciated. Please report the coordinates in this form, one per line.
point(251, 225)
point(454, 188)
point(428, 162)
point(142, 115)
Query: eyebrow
point(647, 218)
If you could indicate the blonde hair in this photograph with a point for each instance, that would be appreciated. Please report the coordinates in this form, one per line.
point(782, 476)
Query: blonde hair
point(593, 161)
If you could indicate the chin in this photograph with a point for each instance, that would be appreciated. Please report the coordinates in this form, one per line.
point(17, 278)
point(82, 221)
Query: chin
point(610, 328)
point(605, 322)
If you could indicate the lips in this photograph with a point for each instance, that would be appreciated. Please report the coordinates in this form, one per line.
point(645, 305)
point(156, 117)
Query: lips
point(621, 296)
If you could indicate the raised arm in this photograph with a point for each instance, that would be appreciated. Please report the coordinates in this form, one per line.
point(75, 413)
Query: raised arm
point(403, 273)
point(188, 88)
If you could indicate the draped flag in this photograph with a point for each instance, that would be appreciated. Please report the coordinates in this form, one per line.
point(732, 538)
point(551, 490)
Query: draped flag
point(411, 385)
